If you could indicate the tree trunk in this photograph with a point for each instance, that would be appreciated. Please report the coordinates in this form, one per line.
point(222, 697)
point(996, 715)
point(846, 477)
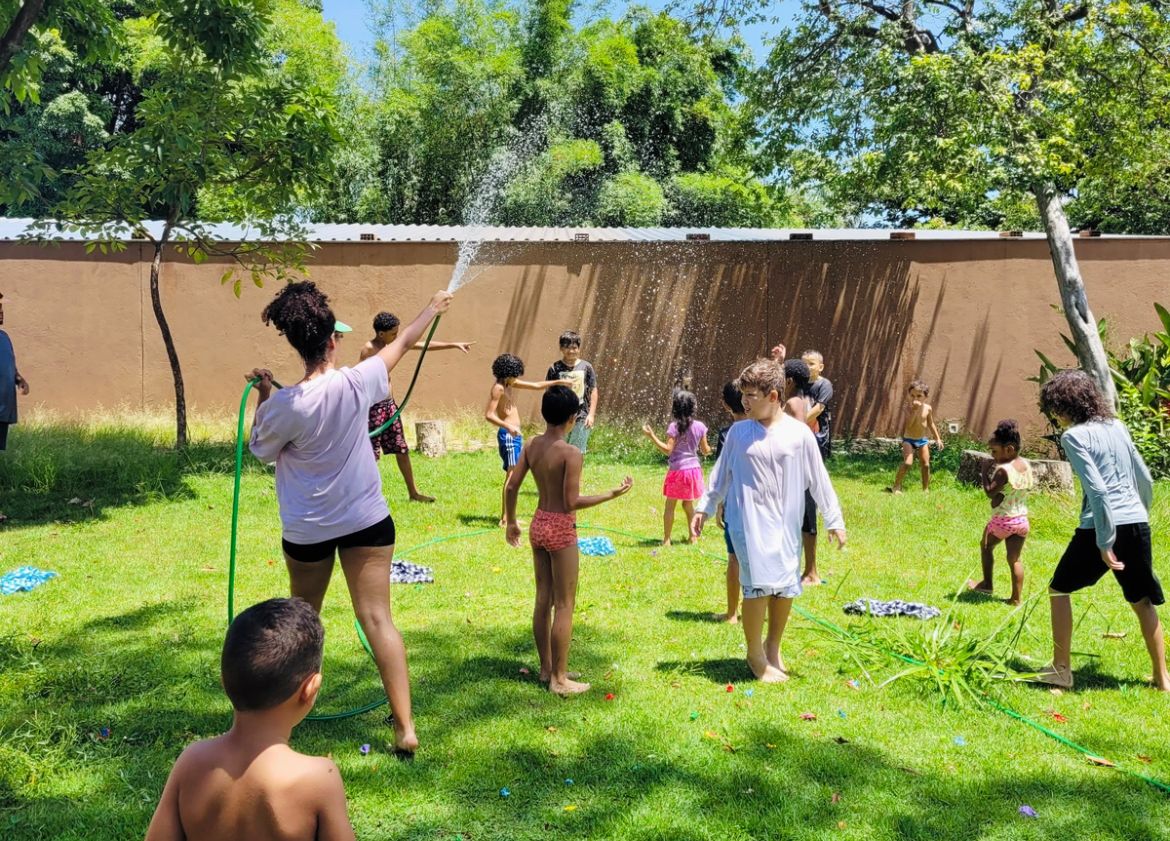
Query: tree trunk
point(1090, 351)
point(169, 342)
point(13, 39)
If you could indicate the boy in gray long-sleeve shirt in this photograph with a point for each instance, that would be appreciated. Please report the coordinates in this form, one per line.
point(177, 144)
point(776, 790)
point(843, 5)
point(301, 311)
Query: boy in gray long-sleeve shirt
point(1114, 530)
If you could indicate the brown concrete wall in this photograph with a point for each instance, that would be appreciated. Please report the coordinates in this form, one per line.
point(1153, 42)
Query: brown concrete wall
point(963, 315)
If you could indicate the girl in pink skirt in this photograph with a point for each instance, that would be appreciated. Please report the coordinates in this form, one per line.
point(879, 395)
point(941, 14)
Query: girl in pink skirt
point(686, 439)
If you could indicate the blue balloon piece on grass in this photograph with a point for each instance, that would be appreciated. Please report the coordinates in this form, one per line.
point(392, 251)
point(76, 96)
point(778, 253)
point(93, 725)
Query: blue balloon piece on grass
point(1028, 812)
point(597, 546)
point(505, 792)
point(960, 741)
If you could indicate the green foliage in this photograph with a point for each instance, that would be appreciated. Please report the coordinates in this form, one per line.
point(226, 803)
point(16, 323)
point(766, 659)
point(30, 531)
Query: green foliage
point(731, 199)
point(939, 657)
point(1141, 370)
point(476, 92)
point(953, 114)
point(630, 199)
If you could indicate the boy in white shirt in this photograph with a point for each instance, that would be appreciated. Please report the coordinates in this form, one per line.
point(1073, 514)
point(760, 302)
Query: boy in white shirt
point(768, 462)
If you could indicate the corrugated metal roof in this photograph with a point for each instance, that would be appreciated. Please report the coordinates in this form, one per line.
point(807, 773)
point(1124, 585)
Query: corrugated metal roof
point(15, 229)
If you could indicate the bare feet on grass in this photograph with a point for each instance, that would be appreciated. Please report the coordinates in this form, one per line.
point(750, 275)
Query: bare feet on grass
point(567, 687)
point(666, 543)
point(420, 497)
point(979, 587)
point(765, 672)
point(731, 619)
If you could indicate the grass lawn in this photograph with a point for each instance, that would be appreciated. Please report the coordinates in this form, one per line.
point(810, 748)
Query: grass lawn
point(128, 639)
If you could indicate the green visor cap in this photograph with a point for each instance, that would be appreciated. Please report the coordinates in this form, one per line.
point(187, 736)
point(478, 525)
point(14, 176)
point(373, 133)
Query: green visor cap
point(341, 327)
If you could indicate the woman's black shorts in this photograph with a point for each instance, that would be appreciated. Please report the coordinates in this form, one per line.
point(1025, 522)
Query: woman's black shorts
point(379, 534)
point(1081, 565)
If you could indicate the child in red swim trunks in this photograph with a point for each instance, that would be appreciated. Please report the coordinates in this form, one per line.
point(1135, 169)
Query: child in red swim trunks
point(556, 466)
point(1007, 485)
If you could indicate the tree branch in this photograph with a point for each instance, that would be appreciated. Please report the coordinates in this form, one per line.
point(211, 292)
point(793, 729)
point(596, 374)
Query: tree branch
point(13, 39)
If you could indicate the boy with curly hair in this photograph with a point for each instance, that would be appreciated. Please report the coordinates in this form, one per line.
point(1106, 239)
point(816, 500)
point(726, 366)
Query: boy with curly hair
point(1114, 531)
point(501, 412)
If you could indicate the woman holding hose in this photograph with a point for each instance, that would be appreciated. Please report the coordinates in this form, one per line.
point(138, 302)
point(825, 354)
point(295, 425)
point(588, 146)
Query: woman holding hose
point(327, 483)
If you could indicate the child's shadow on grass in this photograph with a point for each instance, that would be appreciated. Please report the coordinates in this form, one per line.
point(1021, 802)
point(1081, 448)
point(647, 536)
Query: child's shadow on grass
point(722, 671)
point(694, 616)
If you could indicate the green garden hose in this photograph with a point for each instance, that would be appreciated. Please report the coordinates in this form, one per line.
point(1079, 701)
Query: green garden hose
point(1003, 708)
point(231, 592)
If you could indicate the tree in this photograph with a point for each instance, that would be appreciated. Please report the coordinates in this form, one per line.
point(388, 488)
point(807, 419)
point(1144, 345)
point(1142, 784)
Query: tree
point(234, 123)
point(479, 105)
point(954, 111)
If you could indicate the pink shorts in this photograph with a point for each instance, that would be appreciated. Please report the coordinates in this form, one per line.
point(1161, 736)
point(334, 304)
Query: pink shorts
point(686, 485)
point(552, 531)
point(1002, 528)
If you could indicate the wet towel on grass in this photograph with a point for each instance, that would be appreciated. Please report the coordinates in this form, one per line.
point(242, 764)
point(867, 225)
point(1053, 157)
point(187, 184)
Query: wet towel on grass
point(402, 572)
point(893, 607)
point(23, 579)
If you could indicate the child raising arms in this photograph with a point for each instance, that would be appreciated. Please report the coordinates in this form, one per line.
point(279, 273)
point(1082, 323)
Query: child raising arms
point(556, 467)
point(916, 434)
point(501, 411)
point(1007, 485)
point(686, 439)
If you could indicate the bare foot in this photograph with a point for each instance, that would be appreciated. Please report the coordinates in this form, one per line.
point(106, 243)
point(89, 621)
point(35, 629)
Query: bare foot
point(567, 687)
point(666, 542)
point(416, 497)
point(731, 619)
point(811, 580)
point(1056, 676)
point(1014, 602)
point(545, 678)
point(767, 673)
point(979, 587)
point(893, 490)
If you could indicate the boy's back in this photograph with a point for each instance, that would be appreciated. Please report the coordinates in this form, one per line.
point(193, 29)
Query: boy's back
point(255, 792)
point(548, 459)
point(248, 783)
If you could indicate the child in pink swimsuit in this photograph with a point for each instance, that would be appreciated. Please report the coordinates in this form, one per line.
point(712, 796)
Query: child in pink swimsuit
point(686, 440)
point(1007, 485)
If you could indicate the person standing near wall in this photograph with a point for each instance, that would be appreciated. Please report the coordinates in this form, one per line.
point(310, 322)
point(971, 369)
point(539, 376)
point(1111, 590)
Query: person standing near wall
point(10, 381)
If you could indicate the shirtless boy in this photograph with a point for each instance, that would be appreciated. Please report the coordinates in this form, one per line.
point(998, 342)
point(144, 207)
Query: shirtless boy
point(501, 411)
point(393, 439)
point(556, 466)
point(916, 435)
point(248, 783)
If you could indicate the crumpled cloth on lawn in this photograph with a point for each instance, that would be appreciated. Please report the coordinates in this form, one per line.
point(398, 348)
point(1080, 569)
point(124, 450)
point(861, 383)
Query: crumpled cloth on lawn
point(892, 607)
point(402, 572)
point(23, 579)
point(600, 546)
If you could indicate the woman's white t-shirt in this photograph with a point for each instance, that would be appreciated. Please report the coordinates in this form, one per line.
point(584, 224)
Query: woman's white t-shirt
point(327, 480)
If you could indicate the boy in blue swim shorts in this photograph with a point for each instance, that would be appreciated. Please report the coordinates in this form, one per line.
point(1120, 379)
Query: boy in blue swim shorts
point(501, 412)
point(916, 434)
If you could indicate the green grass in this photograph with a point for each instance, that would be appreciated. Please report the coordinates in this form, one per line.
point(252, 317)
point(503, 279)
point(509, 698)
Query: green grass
point(128, 638)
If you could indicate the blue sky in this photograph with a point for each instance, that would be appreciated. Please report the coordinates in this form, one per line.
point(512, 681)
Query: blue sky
point(350, 17)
